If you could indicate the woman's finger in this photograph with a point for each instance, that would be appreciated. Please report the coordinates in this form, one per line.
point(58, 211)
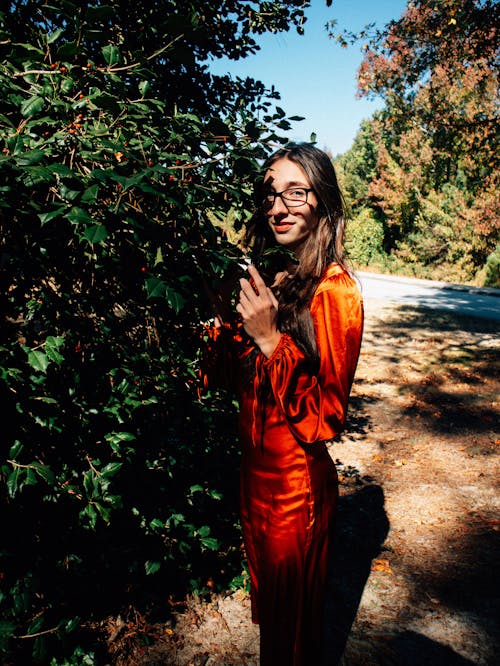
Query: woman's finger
point(273, 298)
point(248, 290)
point(256, 276)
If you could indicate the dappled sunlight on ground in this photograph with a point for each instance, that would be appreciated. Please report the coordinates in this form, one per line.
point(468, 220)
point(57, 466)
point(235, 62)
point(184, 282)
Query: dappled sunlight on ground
point(417, 538)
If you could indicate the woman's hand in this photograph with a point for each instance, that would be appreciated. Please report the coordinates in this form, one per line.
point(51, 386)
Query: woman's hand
point(258, 308)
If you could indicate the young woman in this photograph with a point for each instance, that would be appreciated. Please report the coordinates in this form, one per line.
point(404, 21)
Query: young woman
point(291, 353)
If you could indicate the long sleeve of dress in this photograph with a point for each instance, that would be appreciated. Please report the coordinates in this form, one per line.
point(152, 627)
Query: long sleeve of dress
point(315, 405)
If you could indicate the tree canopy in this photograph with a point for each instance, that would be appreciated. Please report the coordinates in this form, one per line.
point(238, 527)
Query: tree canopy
point(436, 179)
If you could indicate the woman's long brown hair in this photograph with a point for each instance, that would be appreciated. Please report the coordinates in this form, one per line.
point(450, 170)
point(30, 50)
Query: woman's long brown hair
point(324, 245)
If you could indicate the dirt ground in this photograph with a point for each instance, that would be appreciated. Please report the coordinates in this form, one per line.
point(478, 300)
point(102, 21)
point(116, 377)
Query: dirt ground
point(415, 567)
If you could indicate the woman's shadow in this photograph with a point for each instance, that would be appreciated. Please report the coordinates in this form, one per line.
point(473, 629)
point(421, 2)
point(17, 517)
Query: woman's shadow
point(361, 529)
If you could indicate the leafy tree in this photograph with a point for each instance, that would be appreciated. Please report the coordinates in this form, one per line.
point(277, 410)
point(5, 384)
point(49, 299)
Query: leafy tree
point(365, 238)
point(119, 150)
point(437, 69)
point(358, 165)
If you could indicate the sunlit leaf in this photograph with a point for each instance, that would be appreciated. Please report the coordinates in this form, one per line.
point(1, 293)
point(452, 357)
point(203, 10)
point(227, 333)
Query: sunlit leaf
point(32, 106)
point(38, 360)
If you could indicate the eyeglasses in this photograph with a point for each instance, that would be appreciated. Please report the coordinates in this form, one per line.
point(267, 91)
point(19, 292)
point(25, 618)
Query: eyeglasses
point(294, 196)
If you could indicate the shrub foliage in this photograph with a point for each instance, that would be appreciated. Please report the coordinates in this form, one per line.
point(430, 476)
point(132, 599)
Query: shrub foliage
point(119, 150)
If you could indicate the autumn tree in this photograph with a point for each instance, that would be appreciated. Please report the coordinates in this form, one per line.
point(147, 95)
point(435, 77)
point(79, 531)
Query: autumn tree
point(437, 170)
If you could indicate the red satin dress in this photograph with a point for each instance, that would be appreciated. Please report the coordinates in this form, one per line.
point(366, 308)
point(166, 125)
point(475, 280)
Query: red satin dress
point(289, 482)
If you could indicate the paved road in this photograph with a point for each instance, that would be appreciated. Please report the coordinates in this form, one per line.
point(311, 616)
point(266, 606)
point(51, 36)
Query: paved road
point(484, 303)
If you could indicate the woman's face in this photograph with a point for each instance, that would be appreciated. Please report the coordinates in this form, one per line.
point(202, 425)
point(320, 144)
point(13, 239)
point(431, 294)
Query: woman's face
point(290, 224)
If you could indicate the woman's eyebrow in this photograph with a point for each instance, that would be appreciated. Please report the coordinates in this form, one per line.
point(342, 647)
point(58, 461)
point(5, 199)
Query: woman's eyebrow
point(291, 183)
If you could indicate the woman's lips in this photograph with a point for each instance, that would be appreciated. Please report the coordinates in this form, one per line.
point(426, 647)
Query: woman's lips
point(282, 227)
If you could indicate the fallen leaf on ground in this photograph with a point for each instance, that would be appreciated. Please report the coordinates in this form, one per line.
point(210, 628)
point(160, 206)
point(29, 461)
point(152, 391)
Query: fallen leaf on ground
point(381, 565)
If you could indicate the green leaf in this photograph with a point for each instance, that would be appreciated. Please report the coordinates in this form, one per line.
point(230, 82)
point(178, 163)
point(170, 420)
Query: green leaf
point(38, 360)
point(155, 287)
point(116, 437)
point(36, 625)
point(67, 85)
point(55, 341)
point(106, 102)
point(174, 299)
point(35, 175)
point(104, 511)
point(46, 400)
point(15, 450)
point(90, 483)
point(111, 54)
point(97, 233)
point(31, 478)
point(159, 257)
point(50, 215)
point(69, 625)
point(176, 518)
point(15, 144)
point(7, 630)
point(90, 514)
point(43, 471)
point(210, 543)
point(144, 87)
point(78, 215)
point(7, 121)
point(152, 567)
point(157, 523)
point(68, 194)
point(54, 355)
point(61, 169)
point(51, 348)
point(90, 194)
point(67, 50)
point(29, 47)
point(30, 157)
point(12, 481)
point(54, 36)
point(111, 469)
point(32, 106)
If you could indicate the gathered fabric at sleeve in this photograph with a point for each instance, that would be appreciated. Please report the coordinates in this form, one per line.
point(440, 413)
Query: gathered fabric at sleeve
point(315, 405)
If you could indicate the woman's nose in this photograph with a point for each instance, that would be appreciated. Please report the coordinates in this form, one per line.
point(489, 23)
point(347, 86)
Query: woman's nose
point(278, 206)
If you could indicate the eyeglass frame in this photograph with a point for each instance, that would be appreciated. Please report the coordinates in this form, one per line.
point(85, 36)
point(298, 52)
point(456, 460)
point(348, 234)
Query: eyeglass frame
point(267, 204)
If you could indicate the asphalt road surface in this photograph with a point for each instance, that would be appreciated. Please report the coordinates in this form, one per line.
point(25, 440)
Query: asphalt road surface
point(484, 303)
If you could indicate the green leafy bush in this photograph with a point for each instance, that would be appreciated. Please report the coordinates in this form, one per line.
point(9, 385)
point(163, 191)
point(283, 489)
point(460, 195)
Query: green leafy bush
point(118, 484)
point(492, 269)
point(365, 238)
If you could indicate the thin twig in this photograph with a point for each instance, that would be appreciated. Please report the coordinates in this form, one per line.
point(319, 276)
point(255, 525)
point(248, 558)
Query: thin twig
point(153, 55)
point(39, 633)
point(53, 72)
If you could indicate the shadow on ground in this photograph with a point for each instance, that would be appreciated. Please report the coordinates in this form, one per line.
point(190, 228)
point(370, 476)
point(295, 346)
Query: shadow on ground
point(455, 372)
point(361, 530)
point(445, 383)
point(412, 649)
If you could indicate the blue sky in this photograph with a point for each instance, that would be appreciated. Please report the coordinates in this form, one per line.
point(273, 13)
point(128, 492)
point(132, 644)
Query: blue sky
point(315, 76)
